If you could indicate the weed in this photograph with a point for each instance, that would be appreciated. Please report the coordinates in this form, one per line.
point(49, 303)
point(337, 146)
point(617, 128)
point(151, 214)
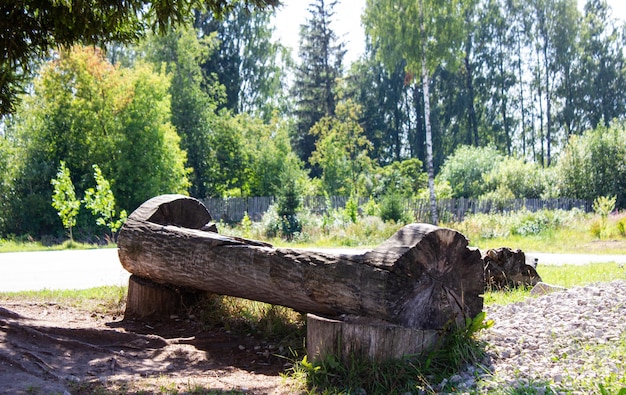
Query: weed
point(278, 324)
point(359, 374)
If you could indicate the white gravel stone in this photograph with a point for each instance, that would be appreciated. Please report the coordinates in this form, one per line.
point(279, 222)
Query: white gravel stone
point(545, 342)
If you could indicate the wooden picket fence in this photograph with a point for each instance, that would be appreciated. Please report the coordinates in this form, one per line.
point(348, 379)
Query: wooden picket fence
point(232, 210)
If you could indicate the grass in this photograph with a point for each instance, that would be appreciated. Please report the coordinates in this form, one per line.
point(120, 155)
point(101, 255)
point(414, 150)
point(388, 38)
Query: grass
point(564, 276)
point(29, 245)
point(546, 231)
point(106, 299)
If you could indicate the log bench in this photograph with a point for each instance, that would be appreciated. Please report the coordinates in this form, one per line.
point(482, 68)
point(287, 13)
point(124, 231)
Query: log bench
point(388, 302)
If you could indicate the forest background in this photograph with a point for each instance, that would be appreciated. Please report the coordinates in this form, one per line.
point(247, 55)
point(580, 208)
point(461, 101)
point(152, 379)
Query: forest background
point(485, 99)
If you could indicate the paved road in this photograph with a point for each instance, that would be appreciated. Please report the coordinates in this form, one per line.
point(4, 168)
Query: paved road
point(79, 269)
point(70, 269)
point(575, 259)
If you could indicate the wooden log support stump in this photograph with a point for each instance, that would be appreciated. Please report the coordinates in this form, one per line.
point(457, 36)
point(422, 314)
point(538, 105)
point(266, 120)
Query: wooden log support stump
point(423, 277)
point(357, 336)
point(149, 300)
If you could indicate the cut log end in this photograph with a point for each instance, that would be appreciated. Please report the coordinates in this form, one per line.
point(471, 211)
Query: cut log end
point(448, 278)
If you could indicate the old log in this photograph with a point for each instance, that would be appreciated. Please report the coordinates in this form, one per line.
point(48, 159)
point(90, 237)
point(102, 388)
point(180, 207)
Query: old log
point(506, 268)
point(422, 277)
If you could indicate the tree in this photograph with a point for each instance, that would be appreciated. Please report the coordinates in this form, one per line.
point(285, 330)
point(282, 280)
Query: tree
point(465, 168)
point(386, 106)
point(594, 164)
point(602, 74)
point(494, 44)
point(405, 178)
point(83, 110)
point(101, 202)
point(316, 75)
point(341, 150)
point(246, 62)
point(195, 99)
point(522, 179)
point(29, 29)
point(272, 164)
point(567, 56)
point(7, 179)
point(64, 198)
point(425, 34)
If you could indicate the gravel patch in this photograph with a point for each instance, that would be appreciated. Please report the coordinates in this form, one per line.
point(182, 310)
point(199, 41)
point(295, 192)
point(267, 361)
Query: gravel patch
point(566, 342)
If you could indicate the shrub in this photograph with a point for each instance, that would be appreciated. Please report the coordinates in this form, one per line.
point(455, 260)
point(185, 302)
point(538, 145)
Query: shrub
point(531, 224)
point(392, 209)
point(288, 204)
point(464, 169)
point(603, 206)
point(351, 210)
point(371, 208)
point(499, 198)
point(594, 164)
point(520, 178)
point(621, 226)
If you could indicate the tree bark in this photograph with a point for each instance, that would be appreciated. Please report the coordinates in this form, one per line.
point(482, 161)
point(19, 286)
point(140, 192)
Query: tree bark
point(429, 137)
point(422, 277)
point(147, 299)
point(349, 337)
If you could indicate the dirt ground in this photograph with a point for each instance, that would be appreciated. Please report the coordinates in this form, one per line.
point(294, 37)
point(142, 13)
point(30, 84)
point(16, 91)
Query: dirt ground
point(49, 348)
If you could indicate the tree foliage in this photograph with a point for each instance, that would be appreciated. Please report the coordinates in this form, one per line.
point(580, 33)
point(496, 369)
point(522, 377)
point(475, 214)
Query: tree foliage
point(594, 164)
point(64, 198)
point(405, 178)
point(424, 35)
point(101, 202)
point(316, 75)
point(84, 110)
point(341, 150)
point(30, 29)
point(249, 65)
point(465, 168)
point(195, 97)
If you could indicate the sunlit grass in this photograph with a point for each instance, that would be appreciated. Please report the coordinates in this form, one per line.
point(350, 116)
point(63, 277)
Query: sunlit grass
point(105, 300)
point(567, 276)
point(32, 245)
point(544, 231)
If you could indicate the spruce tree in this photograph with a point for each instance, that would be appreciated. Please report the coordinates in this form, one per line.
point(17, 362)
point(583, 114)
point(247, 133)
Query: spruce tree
point(320, 65)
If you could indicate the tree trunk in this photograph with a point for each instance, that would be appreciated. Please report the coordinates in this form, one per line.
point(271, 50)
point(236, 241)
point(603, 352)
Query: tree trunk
point(429, 137)
point(422, 277)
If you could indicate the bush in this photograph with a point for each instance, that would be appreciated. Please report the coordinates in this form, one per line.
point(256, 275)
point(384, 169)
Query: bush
point(392, 208)
point(287, 209)
point(520, 178)
point(499, 198)
point(621, 226)
point(405, 178)
point(594, 165)
point(521, 223)
point(464, 169)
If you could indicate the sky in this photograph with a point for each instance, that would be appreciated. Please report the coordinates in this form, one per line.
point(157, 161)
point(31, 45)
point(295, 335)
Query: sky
point(347, 23)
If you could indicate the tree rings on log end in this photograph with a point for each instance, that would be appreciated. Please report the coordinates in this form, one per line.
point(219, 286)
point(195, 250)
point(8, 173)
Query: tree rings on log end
point(370, 338)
